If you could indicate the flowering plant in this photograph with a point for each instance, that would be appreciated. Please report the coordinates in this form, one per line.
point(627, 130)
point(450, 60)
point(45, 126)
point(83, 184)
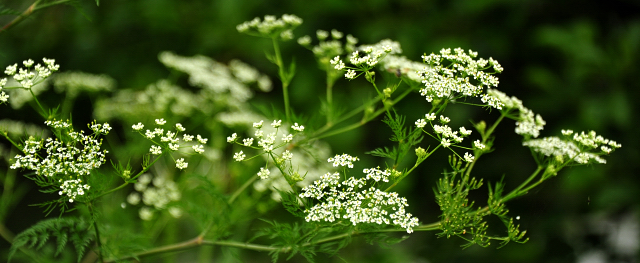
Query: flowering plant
point(285, 156)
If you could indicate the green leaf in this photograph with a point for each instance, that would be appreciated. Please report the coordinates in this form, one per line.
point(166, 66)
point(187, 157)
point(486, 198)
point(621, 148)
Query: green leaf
point(76, 4)
point(8, 11)
point(36, 237)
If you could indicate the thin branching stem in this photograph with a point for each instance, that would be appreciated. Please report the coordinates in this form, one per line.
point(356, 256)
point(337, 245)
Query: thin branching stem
point(284, 77)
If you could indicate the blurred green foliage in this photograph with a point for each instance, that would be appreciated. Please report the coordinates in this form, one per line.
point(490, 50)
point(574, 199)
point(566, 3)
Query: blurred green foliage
point(573, 62)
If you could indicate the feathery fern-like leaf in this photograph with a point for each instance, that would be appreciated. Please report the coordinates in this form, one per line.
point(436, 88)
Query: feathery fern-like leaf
point(37, 236)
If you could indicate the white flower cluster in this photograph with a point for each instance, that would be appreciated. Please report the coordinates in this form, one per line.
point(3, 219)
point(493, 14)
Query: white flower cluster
point(446, 135)
point(450, 80)
point(26, 76)
point(3, 96)
point(158, 197)
point(72, 83)
point(266, 142)
point(581, 148)
point(366, 57)
point(170, 141)
point(343, 160)
point(79, 156)
point(350, 200)
point(271, 26)
point(528, 124)
point(72, 188)
point(326, 48)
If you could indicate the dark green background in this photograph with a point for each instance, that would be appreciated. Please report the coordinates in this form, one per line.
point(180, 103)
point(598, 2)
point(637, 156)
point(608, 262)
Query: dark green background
point(573, 62)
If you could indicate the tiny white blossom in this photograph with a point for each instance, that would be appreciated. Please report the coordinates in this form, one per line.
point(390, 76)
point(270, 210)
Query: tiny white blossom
point(297, 127)
point(478, 144)
point(160, 121)
point(138, 126)
point(287, 138)
point(445, 143)
point(258, 125)
point(231, 138)
point(351, 74)
point(155, 149)
point(276, 124)
point(247, 142)
point(287, 155)
point(179, 127)
point(430, 116)
point(149, 134)
point(343, 160)
point(181, 164)
point(444, 120)
point(567, 132)
point(465, 132)
point(469, 157)
point(174, 146)
point(239, 156)
point(264, 173)
point(201, 140)
point(198, 148)
point(420, 123)
point(187, 137)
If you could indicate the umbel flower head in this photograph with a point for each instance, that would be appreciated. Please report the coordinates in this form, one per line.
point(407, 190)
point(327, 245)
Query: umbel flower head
point(271, 26)
point(28, 77)
point(64, 162)
point(352, 200)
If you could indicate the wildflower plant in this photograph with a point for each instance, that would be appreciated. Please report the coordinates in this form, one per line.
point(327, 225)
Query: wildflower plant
point(186, 173)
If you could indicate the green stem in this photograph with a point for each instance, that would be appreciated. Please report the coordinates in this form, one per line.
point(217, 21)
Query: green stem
point(284, 77)
point(21, 17)
point(319, 134)
point(44, 112)
point(242, 188)
point(329, 96)
point(199, 241)
point(95, 226)
point(128, 181)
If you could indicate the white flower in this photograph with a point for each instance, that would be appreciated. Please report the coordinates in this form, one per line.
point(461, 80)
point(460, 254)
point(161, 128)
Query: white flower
point(287, 155)
point(343, 160)
point(247, 142)
point(174, 146)
point(465, 132)
point(567, 132)
point(239, 156)
point(198, 148)
point(258, 125)
point(160, 121)
point(146, 213)
point(201, 140)
point(231, 138)
point(469, 157)
point(187, 137)
point(181, 164)
point(138, 126)
point(444, 120)
point(179, 127)
point(430, 116)
point(276, 124)
point(351, 74)
point(133, 198)
point(287, 138)
point(297, 127)
point(478, 144)
point(304, 41)
point(155, 149)
point(445, 143)
point(264, 173)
